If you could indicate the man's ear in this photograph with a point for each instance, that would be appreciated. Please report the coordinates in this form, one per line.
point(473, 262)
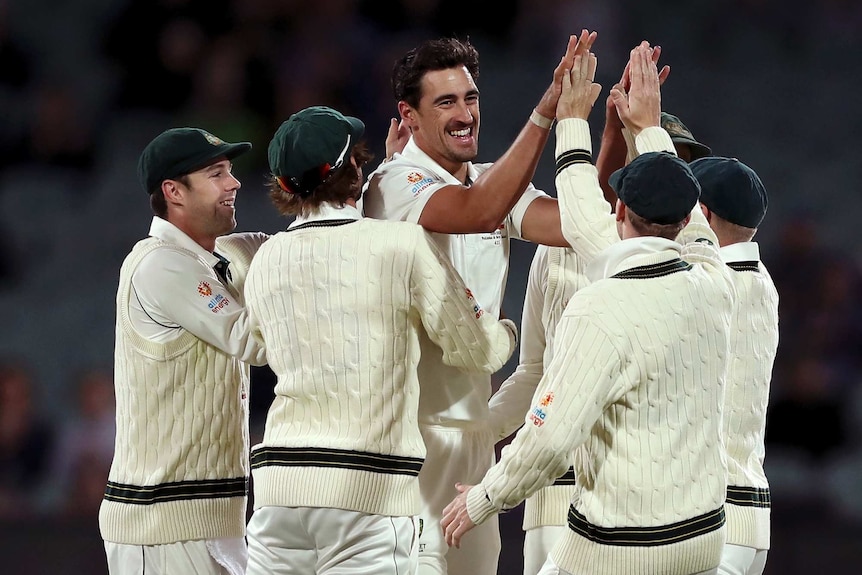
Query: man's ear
point(172, 192)
point(620, 211)
point(407, 113)
point(706, 213)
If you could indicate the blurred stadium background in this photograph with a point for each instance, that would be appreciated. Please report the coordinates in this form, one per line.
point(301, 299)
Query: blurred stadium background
point(85, 84)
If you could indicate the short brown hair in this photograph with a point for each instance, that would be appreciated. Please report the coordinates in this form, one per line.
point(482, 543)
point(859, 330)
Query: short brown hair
point(431, 55)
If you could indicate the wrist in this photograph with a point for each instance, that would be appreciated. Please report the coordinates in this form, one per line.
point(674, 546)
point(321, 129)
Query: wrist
point(542, 121)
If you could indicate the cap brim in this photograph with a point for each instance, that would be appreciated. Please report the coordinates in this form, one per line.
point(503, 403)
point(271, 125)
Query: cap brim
point(615, 179)
point(698, 150)
point(357, 127)
point(228, 151)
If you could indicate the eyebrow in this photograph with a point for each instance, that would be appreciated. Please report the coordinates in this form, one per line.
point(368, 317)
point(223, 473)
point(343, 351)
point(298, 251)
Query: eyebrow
point(452, 96)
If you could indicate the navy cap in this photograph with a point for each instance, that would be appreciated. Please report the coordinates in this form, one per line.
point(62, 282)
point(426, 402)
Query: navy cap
point(180, 151)
point(657, 186)
point(731, 190)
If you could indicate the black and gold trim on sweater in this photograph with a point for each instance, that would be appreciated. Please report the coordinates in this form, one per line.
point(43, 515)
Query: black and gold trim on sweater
point(654, 270)
point(176, 491)
point(646, 536)
point(337, 458)
point(744, 266)
point(568, 478)
point(321, 224)
point(749, 496)
point(572, 157)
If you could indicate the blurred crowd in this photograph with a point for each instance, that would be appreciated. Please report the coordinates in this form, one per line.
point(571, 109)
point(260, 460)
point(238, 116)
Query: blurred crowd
point(83, 85)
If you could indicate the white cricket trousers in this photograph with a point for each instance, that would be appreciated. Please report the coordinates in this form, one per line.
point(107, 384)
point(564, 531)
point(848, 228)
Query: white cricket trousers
point(203, 557)
point(538, 543)
point(325, 541)
point(550, 568)
point(739, 560)
point(455, 455)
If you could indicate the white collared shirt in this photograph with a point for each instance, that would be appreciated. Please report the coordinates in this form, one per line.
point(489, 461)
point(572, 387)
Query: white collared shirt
point(175, 291)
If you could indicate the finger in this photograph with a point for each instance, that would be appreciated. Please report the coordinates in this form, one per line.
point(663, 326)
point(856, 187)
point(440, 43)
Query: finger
point(662, 76)
point(592, 64)
point(656, 53)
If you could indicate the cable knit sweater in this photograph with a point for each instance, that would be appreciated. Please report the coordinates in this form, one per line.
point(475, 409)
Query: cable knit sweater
point(340, 303)
point(753, 344)
point(180, 468)
point(638, 392)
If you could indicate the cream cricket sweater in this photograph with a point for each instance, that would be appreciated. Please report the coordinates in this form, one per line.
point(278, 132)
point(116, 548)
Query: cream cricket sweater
point(555, 275)
point(639, 390)
point(180, 468)
point(340, 303)
point(753, 344)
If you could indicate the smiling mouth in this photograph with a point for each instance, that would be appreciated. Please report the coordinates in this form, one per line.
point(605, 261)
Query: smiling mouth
point(228, 203)
point(460, 133)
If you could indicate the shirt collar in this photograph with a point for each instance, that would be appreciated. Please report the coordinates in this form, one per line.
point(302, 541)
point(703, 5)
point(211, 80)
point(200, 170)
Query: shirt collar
point(630, 253)
point(328, 211)
point(741, 252)
point(417, 156)
point(168, 232)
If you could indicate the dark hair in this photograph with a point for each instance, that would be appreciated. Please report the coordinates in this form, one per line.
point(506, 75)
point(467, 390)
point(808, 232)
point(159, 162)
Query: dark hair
point(343, 184)
point(429, 56)
point(158, 203)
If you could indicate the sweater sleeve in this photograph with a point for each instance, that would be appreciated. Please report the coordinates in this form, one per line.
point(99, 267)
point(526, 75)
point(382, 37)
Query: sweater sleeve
point(585, 216)
point(470, 338)
point(510, 403)
point(574, 392)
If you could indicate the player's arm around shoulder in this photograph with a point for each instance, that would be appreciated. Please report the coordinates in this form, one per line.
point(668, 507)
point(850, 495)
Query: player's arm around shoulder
point(470, 338)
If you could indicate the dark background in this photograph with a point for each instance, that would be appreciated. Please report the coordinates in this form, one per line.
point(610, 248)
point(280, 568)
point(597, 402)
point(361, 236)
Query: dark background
point(85, 84)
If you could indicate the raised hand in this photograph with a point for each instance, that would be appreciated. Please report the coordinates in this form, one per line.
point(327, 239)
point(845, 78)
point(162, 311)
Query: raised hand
point(396, 138)
point(579, 92)
point(641, 106)
point(578, 45)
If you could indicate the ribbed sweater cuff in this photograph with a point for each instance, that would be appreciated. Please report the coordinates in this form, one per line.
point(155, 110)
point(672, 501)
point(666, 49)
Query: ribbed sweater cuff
point(654, 139)
point(573, 134)
point(479, 507)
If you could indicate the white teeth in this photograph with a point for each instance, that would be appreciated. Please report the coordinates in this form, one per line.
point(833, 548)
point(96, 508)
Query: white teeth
point(228, 203)
point(460, 133)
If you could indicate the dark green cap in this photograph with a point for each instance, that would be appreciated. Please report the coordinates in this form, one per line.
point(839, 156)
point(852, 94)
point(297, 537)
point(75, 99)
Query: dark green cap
point(732, 190)
point(311, 143)
point(179, 151)
point(657, 186)
point(679, 134)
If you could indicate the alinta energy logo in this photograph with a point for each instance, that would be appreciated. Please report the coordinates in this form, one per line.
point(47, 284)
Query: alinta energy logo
point(216, 303)
point(477, 309)
point(418, 182)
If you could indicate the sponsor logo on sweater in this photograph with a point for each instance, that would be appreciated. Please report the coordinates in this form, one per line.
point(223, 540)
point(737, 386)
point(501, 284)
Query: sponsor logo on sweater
point(418, 182)
point(477, 309)
point(216, 303)
point(537, 415)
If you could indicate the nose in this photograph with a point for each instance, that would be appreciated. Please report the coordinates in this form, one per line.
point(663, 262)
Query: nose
point(465, 114)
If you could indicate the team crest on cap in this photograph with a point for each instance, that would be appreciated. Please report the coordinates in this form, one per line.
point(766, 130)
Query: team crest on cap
point(204, 289)
point(212, 139)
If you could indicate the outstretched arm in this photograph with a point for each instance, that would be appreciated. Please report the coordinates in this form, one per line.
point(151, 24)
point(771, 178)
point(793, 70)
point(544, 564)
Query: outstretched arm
point(483, 206)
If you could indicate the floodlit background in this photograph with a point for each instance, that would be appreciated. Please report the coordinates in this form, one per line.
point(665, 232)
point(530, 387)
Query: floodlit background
point(85, 84)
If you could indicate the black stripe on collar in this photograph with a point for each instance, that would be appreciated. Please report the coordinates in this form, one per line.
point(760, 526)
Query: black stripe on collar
point(321, 224)
point(337, 458)
point(654, 270)
point(744, 266)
